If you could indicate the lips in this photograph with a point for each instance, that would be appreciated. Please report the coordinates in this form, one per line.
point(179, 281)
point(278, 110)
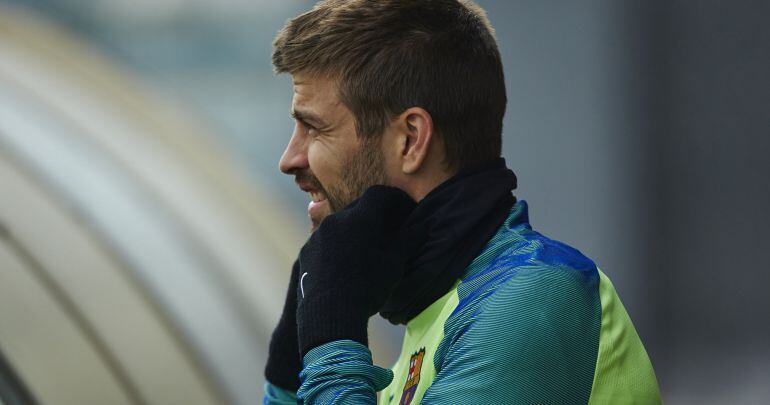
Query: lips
point(306, 184)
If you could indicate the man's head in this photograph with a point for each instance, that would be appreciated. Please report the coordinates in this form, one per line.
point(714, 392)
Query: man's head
point(397, 92)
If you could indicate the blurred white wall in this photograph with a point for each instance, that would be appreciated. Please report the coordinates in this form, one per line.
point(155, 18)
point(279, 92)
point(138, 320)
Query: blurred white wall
point(138, 264)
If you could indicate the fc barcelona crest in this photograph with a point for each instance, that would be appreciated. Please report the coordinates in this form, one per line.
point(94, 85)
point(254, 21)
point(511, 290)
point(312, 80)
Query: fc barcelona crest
point(415, 365)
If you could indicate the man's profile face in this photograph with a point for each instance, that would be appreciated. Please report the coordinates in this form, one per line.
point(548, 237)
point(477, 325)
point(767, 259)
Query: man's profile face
point(329, 161)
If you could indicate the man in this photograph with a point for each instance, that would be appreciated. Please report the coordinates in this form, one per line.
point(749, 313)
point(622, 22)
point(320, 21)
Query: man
point(398, 107)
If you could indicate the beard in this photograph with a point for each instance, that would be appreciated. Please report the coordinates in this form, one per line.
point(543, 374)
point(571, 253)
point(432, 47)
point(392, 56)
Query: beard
point(362, 169)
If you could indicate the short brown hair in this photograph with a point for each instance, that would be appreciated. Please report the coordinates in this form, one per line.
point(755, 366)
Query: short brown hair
point(390, 55)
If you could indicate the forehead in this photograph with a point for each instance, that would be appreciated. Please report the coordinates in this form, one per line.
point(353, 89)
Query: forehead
point(315, 92)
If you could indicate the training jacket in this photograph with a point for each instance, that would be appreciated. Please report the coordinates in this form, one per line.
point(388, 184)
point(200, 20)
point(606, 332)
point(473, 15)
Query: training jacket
point(531, 321)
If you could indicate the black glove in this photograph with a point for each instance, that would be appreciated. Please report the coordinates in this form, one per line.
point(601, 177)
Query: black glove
point(283, 359)
point(350, 265)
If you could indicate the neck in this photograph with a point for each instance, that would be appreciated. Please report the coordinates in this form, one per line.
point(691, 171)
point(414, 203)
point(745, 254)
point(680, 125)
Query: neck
point(422, 189)
point(420, 184)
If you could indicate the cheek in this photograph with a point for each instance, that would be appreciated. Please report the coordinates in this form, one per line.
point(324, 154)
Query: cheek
point(323, 162)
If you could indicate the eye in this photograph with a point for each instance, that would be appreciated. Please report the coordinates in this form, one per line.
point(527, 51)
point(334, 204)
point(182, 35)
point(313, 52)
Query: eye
point(305, 126)
point(311, 130)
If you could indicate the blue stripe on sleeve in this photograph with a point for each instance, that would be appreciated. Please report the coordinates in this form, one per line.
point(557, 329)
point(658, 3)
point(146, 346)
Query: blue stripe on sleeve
point(341, 372)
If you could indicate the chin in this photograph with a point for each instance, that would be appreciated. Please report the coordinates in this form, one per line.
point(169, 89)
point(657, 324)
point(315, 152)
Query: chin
point(315, 223)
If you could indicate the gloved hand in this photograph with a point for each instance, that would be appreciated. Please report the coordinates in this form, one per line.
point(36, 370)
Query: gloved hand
point(350, 265)
point(283, 360)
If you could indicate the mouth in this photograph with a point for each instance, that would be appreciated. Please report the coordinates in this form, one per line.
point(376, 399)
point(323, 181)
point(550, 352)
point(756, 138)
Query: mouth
point(318, 207)
point(316, 196)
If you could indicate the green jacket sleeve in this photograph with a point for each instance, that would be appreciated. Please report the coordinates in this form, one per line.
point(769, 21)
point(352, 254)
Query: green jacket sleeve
point(341, 372)
point(278, 396)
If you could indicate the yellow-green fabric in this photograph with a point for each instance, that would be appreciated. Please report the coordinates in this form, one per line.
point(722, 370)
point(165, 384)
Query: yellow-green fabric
point(624, 373)
point(422, 332)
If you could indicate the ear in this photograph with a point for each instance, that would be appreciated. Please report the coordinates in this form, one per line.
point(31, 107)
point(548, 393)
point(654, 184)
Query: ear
point(415, 138)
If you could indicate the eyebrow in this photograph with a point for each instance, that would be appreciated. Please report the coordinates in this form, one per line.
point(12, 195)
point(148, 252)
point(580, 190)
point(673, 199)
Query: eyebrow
point(307, 117)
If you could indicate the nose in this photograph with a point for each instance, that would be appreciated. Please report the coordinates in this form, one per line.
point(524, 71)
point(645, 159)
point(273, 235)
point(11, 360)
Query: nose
point(295, 156)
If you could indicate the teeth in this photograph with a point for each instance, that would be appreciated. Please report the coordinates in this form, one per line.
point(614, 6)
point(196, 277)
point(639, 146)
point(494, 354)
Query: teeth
point(316, 197)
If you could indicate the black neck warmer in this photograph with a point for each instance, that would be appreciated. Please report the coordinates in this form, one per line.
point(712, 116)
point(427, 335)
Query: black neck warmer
point(460, 215)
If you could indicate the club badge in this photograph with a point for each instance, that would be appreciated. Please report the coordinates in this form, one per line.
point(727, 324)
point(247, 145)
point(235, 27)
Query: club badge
point(415, 365)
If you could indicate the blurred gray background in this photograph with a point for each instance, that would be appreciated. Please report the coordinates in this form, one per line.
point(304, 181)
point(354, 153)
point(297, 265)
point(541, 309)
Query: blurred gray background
point(639, 130)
